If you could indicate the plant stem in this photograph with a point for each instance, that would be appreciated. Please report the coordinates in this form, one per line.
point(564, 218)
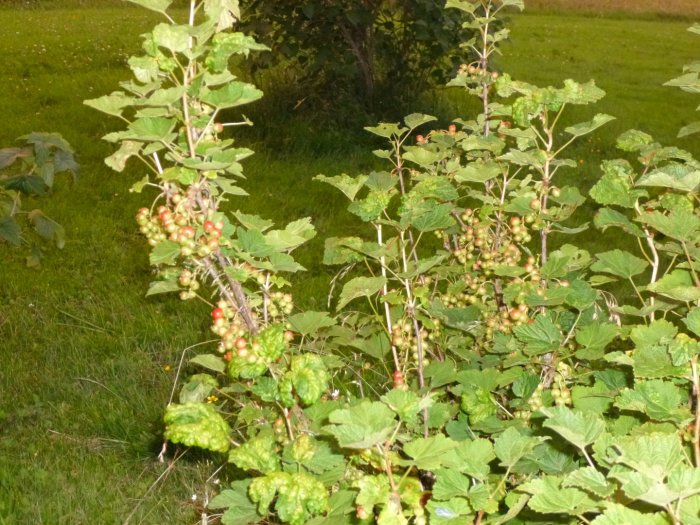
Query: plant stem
point(411, 309)
point(696, 395)
point(690, 263)
point(387, 309)
point(588, 457)
point(655, 262)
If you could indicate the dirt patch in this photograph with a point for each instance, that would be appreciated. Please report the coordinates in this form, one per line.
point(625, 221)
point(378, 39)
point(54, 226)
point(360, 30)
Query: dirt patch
point(687, 8)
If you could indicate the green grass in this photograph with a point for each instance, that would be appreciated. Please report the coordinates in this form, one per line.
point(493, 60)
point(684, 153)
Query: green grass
point(83, 382)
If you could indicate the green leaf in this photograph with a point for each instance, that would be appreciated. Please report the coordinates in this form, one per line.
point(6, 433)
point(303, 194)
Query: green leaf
point(224, 45)
point(595, 337)
point(112, 104)
point(420, 155)
point(540, 337)
point(197, 388)
point(472, 457)
point(387, 130)
point(240, 510)
point(360, 287)
point(634, 140)
point(429, 453)
point(434, 187)
point(297, 497)
point(150, 129)
point(348, 185)
point(232, 94)
point(690, 511)
point(294, 235)
point(418, 119)
point(478, 171)
point(450, 484)
point(117, 161)
point(47, 228)
point(684, 481)
point(342, 250)
point(579, 428)
point(591, 480)
point(309, 322)
point(363, 425)
point(478, 403)
point(308, 377)
point(160, 6)
point(196, 425)
point(406, 404)
point(28, 184)
point(679, 224)
point(655, 362)
point(616, 514)
point(660, 400)
point(165, 252)
point(10, 231)
point(511, 446)
point(175, 38)
point(581, 295)
point(607, 218)
point(549, 497)
point(534, 158)
point(253, 222)
point(620, 263)
point(660, 332)
point(440, 373)
point(372, 206)
point(374, 490)
point(436, 217)
point(157, 287)
point(615, 186)
point(456, 511)
point(258, 453)
point(692, 321)
point(678, 285)
point(690, 129)
point(596, 398)
point(210, 361)
point(652, 455)
point(585, 128)
point(662, 178)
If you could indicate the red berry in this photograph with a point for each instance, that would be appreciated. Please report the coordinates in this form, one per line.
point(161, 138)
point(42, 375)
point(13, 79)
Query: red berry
point(452, 129)
point(420, 139)
point(241, 343)
point(209, 226)
point(227, 356)
point(361, 513)
point(289, 336)
point(217, 313)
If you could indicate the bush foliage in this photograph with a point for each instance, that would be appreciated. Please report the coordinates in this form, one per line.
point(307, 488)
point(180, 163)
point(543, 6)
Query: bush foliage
point(479, 366)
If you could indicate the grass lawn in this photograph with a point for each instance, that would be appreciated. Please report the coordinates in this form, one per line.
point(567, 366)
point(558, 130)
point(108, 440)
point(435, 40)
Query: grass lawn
point(84, 374)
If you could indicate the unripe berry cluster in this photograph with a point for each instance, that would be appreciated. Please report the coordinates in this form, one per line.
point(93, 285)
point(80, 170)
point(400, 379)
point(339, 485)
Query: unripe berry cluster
point(280, 305)
point(560, 391)
point(477, 73)
point(227, 324)
point(403, 338)
point(188, 279)
point(167, 224)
